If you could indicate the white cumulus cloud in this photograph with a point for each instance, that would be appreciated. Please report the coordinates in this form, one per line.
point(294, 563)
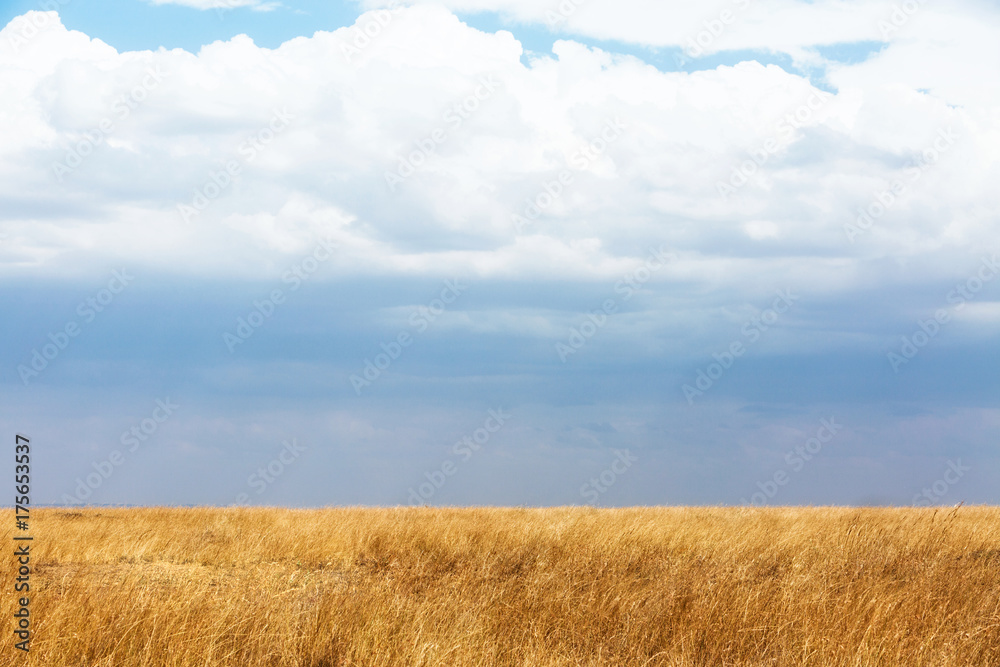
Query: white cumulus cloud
point(418, 143)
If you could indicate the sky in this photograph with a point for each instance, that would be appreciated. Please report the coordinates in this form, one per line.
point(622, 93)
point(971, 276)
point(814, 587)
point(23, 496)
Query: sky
point(501, 252)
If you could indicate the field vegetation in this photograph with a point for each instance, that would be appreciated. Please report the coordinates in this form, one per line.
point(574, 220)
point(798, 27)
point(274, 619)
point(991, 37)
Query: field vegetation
point(563, 586)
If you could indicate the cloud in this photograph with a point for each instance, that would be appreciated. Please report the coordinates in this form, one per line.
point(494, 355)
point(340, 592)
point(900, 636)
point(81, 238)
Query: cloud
point(425, 147)
point(789, 26)
point(428, 150)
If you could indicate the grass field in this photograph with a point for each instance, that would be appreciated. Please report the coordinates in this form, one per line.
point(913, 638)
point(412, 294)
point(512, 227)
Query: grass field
point(563, 586)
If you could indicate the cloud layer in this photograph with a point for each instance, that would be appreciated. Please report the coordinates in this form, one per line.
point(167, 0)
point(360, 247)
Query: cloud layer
point(421, 167)
point(426, 150)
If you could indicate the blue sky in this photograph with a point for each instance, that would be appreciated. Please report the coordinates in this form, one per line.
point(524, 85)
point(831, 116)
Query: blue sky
point(135, 26)
point(371, 248)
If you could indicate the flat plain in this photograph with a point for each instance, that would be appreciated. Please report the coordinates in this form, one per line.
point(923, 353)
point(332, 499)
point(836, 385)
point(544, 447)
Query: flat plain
point(482, 586)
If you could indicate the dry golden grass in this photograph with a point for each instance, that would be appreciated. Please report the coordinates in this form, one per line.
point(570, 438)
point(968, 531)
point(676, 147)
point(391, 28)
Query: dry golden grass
point(565, 586)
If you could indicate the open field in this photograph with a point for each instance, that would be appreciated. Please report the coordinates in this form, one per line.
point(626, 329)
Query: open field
point(564, 586)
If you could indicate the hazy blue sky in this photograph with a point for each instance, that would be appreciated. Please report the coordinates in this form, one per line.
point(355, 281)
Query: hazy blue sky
point(501, 251)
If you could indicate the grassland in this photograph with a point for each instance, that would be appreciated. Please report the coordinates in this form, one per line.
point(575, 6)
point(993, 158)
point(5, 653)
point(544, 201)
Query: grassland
point(564, 586)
